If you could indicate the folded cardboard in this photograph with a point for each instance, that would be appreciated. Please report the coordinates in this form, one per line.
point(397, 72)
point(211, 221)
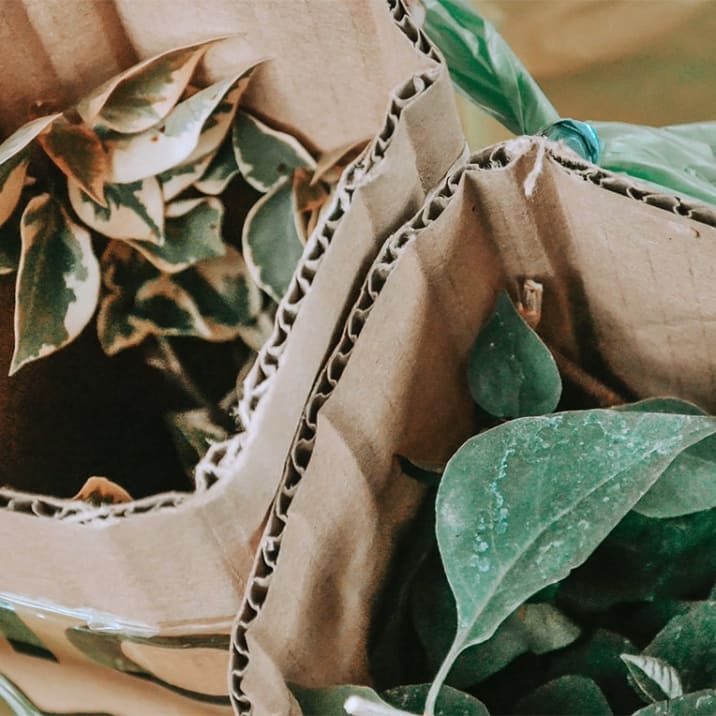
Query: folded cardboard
point(627, 276)
point(153, 586)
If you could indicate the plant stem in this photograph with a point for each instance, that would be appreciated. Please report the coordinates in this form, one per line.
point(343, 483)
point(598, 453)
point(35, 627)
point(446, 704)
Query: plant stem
point(603, 394)
point(175, 370)
point(442, 674)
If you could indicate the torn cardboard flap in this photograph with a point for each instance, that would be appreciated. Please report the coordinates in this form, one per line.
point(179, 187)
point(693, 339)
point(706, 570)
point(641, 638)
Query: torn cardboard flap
point(396, 382)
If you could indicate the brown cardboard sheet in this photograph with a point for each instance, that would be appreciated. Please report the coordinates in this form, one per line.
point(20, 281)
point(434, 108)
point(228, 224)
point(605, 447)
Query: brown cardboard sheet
point(626, 277)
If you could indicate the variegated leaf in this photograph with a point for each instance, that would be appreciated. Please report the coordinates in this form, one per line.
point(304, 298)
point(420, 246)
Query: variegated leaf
point(19, 139)
point(12, 179)
point(256, 333)
point(134, 211)
point(210, 300)
point(224, 294)
point(193, 233)
point(58, 281)
point(271, 244)
point(220, 172)
point(175, 181)
point(124, 272)
point(189, 132)
point(309, 199)
point(79, 153)
point(266, 156)
point(654, 679)
point(10, 242)
point(143, 95)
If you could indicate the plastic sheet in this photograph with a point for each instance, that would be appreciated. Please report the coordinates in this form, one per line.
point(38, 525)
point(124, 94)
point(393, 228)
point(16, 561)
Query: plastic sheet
point(679, 159)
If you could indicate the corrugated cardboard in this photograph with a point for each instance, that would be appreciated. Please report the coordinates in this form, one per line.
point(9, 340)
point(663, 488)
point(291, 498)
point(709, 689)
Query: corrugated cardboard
point(171, 569)
point(626, 275)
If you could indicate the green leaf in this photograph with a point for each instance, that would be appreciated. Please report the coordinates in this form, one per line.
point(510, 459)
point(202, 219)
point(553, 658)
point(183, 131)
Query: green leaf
point(19, 139)
point(124, 272)
point(210, 300)
point(542, 493)
point(689, 483)
point(266, 156)
point(141, 96)
point(270, 242)
point(511, 373)
point(428, 476)
point(220, 172)
point(538, 628)
point(10, 242)
point(175, 181)
point(451, 702)
point(79, 153)
point(12, 180)
point(699, 703)
point(193, 233)
point(653, 679)
point(329, 701)
point(645, 559)
point(599, 658)
point(193, 432)
point(400, 701)
point(688, 643)
point(133, 211)
point(58, 282)
point(567, 696)
point(14, 162)
point(194, 128)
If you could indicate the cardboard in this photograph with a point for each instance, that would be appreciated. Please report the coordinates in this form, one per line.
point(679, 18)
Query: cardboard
point(622, 269)
point(165, 574)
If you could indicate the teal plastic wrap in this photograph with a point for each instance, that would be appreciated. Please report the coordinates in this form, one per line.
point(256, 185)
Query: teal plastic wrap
point(679, 159)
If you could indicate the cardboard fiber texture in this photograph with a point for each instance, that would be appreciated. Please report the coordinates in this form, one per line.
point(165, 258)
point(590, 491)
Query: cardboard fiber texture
point(169, 570)
point(609, 254)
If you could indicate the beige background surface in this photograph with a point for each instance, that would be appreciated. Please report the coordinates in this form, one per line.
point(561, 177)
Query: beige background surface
point(638, 61)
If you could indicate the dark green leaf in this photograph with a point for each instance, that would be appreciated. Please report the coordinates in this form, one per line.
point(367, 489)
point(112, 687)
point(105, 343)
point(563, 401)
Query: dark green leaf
point(271, 245)
point(10, 242)
point(645, 559)
point(192, 231)
point(688, 643)
point(599, 658)
point(451, 702)
point(220, 172)
point(58, 281)
point(428, 477)
point(511, 373)
point(521, 505)
point(538, 628)
point(654, 679)
point(565, 696)
point(699, 703)
point(689, 483)
point(193, 432)
point(330, 700)
point(265, 156)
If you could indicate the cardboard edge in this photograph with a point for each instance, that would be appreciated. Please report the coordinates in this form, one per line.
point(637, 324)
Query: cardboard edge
point(256, 384)
point(497, 157)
